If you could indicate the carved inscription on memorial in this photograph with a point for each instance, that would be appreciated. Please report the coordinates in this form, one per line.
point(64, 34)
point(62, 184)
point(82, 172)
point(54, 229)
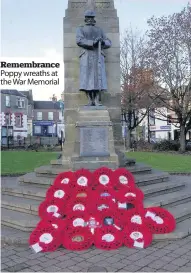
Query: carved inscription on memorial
point(94, 141)
point(99, 5)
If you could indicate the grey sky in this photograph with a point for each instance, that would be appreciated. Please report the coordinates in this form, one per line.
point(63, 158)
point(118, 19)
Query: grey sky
point(30, 27)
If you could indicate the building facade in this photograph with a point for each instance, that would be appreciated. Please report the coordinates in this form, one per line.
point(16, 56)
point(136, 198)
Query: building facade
point(48, 119)
point(29, 95)
point(13, 116)
point(159, 124)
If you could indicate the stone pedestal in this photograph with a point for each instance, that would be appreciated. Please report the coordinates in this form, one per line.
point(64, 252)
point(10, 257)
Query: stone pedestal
point(106, 17)
point(92, 143)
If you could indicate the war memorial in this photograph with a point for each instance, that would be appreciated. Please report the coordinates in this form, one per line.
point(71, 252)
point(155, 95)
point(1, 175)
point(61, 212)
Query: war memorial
point(92, 95)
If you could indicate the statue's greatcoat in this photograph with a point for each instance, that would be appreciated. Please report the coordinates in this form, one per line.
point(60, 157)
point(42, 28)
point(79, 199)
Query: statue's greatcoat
point(89, 69)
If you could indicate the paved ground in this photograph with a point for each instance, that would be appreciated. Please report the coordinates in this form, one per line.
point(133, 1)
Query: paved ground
point(162, 256)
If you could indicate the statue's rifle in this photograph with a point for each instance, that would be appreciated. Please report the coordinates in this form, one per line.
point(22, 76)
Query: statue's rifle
point(99, 70)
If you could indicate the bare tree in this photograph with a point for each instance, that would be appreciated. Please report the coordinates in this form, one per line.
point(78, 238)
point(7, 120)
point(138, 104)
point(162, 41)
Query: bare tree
point(136, 80)
point(169, 57)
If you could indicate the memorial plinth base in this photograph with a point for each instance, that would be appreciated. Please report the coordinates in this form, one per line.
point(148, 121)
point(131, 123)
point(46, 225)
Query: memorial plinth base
point(93, 145)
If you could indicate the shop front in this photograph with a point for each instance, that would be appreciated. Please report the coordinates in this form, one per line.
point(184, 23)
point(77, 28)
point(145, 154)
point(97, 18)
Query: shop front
point(44, 128)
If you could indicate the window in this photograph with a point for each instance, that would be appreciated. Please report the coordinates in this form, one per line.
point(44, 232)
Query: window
point(21, 103)
point(169, 119)
point(8, 101)
point(61, 115)
point(152, 117)
point(50, 129)
point(39, 115)
point(50, 115)
point(18, 120)
point(37, 129)
point(152, 135)
point(8, 119)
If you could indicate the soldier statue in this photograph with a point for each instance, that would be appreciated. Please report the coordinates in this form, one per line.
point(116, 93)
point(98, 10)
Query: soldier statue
point(92, 64)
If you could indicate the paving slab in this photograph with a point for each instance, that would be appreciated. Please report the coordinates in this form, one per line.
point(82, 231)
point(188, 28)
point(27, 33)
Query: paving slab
point(157, 257)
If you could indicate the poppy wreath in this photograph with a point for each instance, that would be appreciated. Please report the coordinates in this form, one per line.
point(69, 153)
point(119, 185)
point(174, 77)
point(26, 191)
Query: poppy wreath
point(124, 207)
point(77, 239)
point(123, 178)
point(108, 238)
point(53, 208)
point(103, 192)
point(76, 219)
point(134, 216)
point(103, 177)
point(111, 218)
point(128, 194)
point(77, 205)
point(135, 236)
point(58, 193)
point(65, 179)
point(159, 220)
point(58, 224)
point(83, 178)
point(102, 204)
point(45, 239)
point(83, 193)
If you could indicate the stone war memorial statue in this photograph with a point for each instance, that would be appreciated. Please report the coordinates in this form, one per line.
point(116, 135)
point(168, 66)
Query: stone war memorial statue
point(92, 40)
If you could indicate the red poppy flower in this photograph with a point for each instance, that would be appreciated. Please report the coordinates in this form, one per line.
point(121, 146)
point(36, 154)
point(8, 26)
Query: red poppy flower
point(159, 220)
point(45, 239)
point(137, 236)
point(123, 177)
point(83, 178)
point(108, 238)
point(65, 179)
point(103, 177)
point(77, 239)
point(53, 208)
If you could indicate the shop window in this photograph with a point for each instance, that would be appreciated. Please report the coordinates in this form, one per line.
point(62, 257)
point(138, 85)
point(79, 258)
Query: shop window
point(37, 129)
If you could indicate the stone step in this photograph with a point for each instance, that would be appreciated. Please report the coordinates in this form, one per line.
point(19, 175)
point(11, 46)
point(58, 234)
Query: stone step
point(18, 220)
point(11, 235)
point(162, 188)
point(24, 205)
point(49, 171)
point(182, 210)
point(20, 204)
point(141, 179)
point(183, 229)
point(168, 199)
point(24, 190)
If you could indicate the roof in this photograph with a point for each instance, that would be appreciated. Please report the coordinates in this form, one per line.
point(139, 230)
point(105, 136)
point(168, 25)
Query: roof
point(29, 95)
point(13, 92)
point(46, 104)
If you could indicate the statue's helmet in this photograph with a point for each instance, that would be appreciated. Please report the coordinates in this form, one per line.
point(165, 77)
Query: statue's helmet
point(89, 13)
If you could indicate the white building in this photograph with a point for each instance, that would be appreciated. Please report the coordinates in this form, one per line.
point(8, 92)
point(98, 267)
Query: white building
point(160, 125)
